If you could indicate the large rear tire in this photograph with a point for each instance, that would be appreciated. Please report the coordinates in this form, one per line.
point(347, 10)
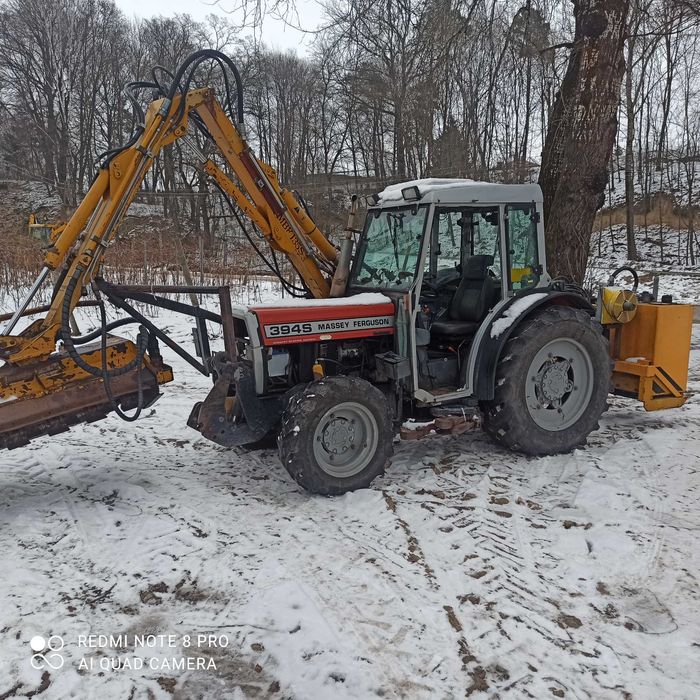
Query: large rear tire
point(336, 435)
point(552, 383)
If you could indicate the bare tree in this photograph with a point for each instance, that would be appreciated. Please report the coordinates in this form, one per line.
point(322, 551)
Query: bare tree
point(394, 89)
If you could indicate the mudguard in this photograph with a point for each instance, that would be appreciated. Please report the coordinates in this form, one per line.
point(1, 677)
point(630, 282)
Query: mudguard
point(492, 344)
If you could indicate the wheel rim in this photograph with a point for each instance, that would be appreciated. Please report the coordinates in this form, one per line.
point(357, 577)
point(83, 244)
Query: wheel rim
point(559, 384)
point(345, 439)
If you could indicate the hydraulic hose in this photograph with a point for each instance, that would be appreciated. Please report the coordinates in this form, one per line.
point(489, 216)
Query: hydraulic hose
point(107, 378)
point(139, 117)
point(102, 371)
point(82, 339)
point(218, 56)
point(69, 343)
point(625, 268)
point(162, 88)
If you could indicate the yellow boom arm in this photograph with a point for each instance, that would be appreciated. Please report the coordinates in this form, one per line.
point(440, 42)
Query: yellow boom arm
point(79, 248)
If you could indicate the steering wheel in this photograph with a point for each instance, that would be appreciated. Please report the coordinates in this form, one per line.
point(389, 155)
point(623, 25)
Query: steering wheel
point(429, 288)
point(435, 287)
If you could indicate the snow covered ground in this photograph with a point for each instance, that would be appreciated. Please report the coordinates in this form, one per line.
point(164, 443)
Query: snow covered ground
point(661, 252)
point(465, 571)
point(674, 180)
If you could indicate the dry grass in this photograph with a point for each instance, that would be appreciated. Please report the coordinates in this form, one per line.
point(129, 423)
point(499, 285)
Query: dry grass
point(145, 253)
point(662, 212)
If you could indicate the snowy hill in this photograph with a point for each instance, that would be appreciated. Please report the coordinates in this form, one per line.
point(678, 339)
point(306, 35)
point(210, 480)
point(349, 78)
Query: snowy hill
point(662, 251)
point(680, 180)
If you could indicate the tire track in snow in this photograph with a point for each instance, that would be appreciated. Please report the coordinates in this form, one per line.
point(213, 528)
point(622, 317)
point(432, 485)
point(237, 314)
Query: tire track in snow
point(638, 596)
point(531, 603)
point(620, 596)
point(399, 629)
point(511, 595)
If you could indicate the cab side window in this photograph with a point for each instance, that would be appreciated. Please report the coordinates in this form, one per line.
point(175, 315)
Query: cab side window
point(523, 253)
point(447, 244)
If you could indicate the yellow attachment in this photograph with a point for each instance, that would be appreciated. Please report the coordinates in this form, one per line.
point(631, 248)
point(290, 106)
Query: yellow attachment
point(317, 370)
point(17, 384)
point(44, 391)
point(79, 245)
point(651, 354)
point(617, 305)
point(49, 396)
point(46, 232)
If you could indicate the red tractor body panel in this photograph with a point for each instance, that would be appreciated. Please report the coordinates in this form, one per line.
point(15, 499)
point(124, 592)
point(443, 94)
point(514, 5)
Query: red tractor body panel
point(315, 323)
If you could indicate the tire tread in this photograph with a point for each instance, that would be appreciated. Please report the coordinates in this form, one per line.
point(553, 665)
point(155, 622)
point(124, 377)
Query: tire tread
point(308, 405)
point(502, 419)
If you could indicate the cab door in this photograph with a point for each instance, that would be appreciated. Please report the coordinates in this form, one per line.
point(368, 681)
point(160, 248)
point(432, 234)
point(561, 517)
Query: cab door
point(523, 246)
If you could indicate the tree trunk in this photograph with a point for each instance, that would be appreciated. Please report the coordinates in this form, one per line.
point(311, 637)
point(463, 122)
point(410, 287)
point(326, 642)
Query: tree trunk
point(204, 211)
point(526, 129)
point(629, 155)
point(399, 137)
point(671, 53)
point(581, 134)
point(171, 208)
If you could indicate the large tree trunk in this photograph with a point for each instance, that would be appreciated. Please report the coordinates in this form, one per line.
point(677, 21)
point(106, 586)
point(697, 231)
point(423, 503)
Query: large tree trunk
point(581, 134)
point(629, 154)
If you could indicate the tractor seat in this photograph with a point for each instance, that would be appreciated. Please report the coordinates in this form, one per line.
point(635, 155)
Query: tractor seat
point(470, 302)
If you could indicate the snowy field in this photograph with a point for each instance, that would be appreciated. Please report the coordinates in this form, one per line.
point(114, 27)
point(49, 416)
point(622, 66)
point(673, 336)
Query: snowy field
point(661, 252)
point(672, 180)
point(465, 571)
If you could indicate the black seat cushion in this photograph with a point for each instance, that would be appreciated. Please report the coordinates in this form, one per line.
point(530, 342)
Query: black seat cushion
point(471, 300)
point(455, 328)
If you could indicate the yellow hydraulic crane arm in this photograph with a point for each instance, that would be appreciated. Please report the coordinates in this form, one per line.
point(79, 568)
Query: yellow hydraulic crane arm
point(276, 211)
point(79, 247)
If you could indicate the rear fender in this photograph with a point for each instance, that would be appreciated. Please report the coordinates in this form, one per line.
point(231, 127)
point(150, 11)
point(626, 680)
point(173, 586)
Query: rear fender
point(496, 334)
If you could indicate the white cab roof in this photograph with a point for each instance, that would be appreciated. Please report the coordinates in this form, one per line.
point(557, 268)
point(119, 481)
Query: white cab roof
point(459, 192)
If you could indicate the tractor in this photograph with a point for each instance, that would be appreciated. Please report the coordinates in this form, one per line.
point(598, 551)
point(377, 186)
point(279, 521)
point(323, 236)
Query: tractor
point(437, 309)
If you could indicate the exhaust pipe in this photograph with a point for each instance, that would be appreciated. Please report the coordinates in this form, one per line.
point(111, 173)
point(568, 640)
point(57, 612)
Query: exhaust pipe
point(342, 271)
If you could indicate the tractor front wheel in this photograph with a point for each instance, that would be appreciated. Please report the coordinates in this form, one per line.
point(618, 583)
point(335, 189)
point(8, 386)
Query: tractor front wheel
point(336, 435)
point(552, 383)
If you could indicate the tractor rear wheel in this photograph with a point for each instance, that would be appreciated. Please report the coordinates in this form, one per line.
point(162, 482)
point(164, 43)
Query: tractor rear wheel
point(552, 383)
point(336, 435)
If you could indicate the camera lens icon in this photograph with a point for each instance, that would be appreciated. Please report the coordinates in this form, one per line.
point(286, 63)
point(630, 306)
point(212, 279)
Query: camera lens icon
point(46, 652)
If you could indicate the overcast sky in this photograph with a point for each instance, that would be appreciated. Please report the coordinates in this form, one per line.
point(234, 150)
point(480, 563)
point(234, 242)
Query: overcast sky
point(275, 33)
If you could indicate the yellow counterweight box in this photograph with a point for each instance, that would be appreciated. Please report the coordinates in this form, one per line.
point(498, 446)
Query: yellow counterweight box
point(651, 353)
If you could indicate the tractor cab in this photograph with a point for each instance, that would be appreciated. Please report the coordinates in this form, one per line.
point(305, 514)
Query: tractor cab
point(451, 253)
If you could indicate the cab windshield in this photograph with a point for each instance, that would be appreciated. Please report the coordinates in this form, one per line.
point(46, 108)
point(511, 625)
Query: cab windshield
point(388, 254)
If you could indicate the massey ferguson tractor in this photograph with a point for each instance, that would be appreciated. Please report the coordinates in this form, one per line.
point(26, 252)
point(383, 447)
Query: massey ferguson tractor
point(437, 308)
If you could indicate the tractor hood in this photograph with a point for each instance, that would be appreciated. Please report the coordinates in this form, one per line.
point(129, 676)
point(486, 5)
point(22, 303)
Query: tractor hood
point(310, 320)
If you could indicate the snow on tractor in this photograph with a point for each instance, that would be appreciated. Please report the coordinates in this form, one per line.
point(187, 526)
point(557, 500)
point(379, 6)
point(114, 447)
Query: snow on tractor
point(438, 309)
